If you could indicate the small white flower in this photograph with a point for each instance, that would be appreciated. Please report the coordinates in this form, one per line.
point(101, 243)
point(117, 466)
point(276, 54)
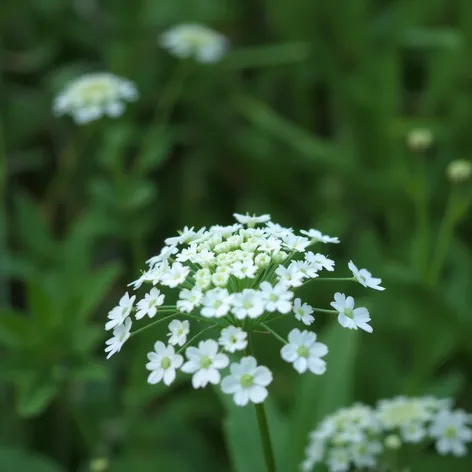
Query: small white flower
point(185, 236)
point(251, 220)
point(162, 363)
point(189, 299)
point(316, 236)
point(364, 454)
point(307, 269)
point(175, 276)
point(92, 96)
point(205, 258)
point(277, 230)
point(290, 276)
point(204, 363)
point(149, 304)
point(339, 459)
point(196, 41)
point(296, 243)
point(350, 317)
point(188, 254)
point(451, 432)
point(319, 261)
point(303, 312)
point(364, 277)
point(277, 298)
point(163, 256)
point(247, 381)
point(119, 314)
point(270, 245)
point(304, 352)
point(216, 303)
point(178, 331)
point(262, 260)
point(233, 339)
point(244, 269)
point(412, 432)
point(203, 278)
point(120, 335)
point(248, 303)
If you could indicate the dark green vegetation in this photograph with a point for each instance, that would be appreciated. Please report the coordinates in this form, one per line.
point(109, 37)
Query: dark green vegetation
point(305, 119)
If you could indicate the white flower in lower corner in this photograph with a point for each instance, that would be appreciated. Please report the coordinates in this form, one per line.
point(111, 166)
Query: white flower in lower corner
point(204, 363)
point(303, 312)
point(162, 363)
point(233, 339)
point(316, 236)
point(350, 317)
point(118, 315)
point(277, 297)
point(364, 277)
point(196, 41)
point(120, 335)
point(178, 331)
point(304, 352)
point(149, 304)
point(450, 428)
point(216, 303)
point(247, 381)
point(248, 303)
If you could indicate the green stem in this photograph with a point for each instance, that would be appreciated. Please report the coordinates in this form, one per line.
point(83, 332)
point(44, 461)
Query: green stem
point(280, 338)
point(160, 320)
point(322, 310)
point(195, 337)
point(335, 279)
point(4, 292)
point(265, 437)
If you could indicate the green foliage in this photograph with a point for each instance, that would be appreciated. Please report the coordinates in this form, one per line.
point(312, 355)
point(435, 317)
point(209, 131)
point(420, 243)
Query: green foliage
point(306, 118)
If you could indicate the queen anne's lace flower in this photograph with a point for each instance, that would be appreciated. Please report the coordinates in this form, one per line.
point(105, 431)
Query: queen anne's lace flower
point(356, 437)
point(350, 317)
point(194, 41)
point(229, 281)
point(93, 96)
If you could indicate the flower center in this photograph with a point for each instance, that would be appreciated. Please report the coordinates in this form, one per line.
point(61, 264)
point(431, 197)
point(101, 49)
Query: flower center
point(450, 432)
point(180, 332)
point(217, 303)
point(233, 340)
point(205, 362)
point(273, 297)
point(246, 380)
point(123, 336)
point(303, 351)
point(348, 312)
point(165, 363)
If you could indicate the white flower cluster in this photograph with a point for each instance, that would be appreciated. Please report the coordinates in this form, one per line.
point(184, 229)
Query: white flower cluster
point(194, 41)
point(95, 95)
point(361, 436)
point(235, 280)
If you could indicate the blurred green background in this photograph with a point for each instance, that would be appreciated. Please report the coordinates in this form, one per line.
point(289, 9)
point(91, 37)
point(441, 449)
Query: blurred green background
point(308, 119)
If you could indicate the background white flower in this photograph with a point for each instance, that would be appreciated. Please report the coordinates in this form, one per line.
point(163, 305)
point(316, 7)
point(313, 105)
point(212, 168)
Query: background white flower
point(149, 304)
point(162, 363)
point(316, 236)
point(364, 277)
point(178, 332)
point(451, 430)
point(204, 363)
point(120, 335)
point(304, 352)
point(350, 317)
point(233, 339)
point(195, 41)
point(95, 95)
point(247, 381)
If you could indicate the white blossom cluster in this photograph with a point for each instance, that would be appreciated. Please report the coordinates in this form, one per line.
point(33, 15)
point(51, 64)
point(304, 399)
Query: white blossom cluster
point(95, 95)
point(361, 436)
point(234, 280)
point(194, 41)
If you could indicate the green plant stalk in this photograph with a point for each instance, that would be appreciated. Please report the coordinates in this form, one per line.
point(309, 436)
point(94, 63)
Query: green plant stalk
point(4, 295)
point(265, 437)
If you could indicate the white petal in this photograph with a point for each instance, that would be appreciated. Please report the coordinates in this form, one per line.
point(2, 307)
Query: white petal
point(316, 365)
point(346, 322)
point(300, 365)
point(262, 376)
point(257, 394)
point(241, 397)
point(220, 361)
point(155, 376)
point(230, 384)
point(289, 353)
point(169, 376)
point(190, 367)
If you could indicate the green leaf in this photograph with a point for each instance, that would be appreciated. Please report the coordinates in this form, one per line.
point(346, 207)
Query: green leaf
point(15, 328)
point(42, 305)
point(35, 394)
point(318, 396)
point(17, 460)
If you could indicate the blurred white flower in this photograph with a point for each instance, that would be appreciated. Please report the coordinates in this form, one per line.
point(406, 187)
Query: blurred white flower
point(194, 41)
point(350, 317)
point(364, 277)
point(450, 428)
point(120, 335)
point(162, 363)
point(149, 304)
point(178, 331)
point(233, 339)
point(95, 95)
point(304, 352)
point(247, 382)
point(204, 363)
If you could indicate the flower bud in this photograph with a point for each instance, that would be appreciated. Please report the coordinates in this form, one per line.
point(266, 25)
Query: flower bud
point(99, 464)
point(419, 140)
point(392, 441)
point(459, 171)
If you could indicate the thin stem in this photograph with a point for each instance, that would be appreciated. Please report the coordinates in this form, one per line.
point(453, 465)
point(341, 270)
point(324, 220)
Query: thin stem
point(280, 338)
point(333, 279)
point(160, 320)
point(275, 319)
point(195, 337)
point(4, 290)
point(322, 310)
point(265, 437)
